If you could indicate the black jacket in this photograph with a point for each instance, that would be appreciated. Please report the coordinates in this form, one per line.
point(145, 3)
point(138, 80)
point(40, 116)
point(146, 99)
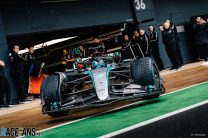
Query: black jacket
point(153, 37)
point(201, 36)
point(153, 40)
point(135, 40)
point(126, 44)
point(173, 27)
point(144, 43)
point(17, 63)
point(126, 51)
point(169, 37)
point(1, 71)
point(30, 61)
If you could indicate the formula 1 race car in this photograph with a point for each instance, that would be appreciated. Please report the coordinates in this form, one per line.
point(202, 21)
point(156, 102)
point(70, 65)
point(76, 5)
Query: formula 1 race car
point(99, 80)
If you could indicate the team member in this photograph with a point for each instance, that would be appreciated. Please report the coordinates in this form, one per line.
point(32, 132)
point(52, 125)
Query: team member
point(144, 43)
point(29, 65)
point(136, 45)
point(79, 52)
point(82, 51)
point(201, 38)
point(169, 40)
point(18, 73)
point(2, 83)
point(153, 37)
point(136, 35)
point(173, 27)
point(76, 53)
point(5, 88)
point(126, 52)
point(65, 55)
point(68, 58)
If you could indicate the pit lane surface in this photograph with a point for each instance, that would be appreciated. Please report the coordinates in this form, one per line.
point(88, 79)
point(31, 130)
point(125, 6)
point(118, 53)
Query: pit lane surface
point(191, 123)
point(34, 118)
point(140, 113)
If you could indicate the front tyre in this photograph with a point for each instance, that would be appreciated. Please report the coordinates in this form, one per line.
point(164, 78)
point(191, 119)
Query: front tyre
point(51, 95)
point(144, 72)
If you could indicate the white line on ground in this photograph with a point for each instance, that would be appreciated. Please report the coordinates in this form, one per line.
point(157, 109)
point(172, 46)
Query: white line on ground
point(153, 120)
point(115, 109)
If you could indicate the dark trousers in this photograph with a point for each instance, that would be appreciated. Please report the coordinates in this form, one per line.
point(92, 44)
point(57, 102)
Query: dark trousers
point(20, 86)
point(179, 54)
point(156, 56)
point(203, 51)
point(172, 54)
point(4, 90)
point(27, 83)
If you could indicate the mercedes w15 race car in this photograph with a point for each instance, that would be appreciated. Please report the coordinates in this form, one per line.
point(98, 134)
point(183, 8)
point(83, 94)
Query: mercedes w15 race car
point(100, 80)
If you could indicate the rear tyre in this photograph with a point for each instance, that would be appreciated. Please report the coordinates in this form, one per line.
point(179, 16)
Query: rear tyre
point(51, 95)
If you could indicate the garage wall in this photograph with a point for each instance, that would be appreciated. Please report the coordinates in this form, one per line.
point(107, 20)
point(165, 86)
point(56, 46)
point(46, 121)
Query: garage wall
point(45, 17)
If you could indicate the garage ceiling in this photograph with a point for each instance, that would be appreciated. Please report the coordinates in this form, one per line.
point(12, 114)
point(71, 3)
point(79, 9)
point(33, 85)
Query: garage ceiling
point(26, 40)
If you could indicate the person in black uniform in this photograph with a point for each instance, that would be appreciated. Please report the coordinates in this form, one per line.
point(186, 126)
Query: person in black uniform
point(172, 26)
point(136, 45)
point(201, 38)
point(29, 65)
point(18, 73)
point(5, 87)
point(65, 56)
point(82, 51)
point(169, 40)
point(79, 52)
point(125, 50)
point(154, 46)
point(144, 43)
point(2, 83)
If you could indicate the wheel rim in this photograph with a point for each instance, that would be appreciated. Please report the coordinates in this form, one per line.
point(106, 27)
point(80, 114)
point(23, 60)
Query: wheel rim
point(156, 76)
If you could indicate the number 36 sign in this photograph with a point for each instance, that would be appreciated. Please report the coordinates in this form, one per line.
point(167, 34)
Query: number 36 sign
point(140, 5)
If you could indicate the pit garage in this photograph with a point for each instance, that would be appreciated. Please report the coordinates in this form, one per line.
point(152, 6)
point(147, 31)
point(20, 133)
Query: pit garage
point(54, 26)
point(50, 51)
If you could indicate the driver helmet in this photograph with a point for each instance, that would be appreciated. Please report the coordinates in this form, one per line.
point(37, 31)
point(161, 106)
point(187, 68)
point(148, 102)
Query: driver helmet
point(95, 64)
point(101, 63)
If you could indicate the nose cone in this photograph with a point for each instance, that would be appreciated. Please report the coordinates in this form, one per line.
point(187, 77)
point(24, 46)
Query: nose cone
point(101, 83)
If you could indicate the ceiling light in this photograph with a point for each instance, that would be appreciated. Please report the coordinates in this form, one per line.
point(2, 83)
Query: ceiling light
point(46, 44)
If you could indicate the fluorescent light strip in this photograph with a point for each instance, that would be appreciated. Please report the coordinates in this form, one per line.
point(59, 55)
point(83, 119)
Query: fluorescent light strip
point(49, 43)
